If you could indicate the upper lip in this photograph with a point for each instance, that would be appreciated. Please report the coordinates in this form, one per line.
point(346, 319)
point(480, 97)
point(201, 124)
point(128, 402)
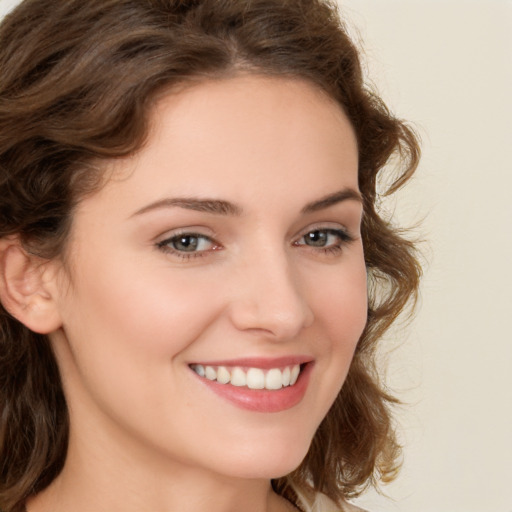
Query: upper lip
point(265, 363)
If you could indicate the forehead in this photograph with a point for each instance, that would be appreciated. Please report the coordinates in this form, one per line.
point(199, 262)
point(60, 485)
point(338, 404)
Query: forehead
point(242, 137)
point(254, 107)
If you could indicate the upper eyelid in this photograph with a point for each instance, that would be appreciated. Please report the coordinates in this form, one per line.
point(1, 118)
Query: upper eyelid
point(191, 231)
point(210, 234)
point(168, 239)
point(325, 226)
point(344, 235)
point(165, 246)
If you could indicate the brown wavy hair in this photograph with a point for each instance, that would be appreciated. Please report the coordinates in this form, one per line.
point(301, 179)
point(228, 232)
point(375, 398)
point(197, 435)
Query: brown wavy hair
point(78, 79)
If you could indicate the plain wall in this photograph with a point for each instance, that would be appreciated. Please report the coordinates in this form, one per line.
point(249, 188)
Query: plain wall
point(447, 66)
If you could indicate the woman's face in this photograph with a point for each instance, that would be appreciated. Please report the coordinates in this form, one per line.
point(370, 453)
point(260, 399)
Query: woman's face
point(229, 249)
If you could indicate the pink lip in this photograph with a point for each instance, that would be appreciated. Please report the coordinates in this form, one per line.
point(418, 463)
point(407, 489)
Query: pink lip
point(261, 400)
point(259, 362)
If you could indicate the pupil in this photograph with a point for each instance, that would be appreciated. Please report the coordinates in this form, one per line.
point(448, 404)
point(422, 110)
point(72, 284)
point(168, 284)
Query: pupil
point(186, 243)
point(316, 238)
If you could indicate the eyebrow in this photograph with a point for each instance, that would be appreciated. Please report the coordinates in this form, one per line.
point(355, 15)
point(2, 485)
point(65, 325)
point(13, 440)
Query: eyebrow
point(332, 199)
point(221, 207)
point(217, 206)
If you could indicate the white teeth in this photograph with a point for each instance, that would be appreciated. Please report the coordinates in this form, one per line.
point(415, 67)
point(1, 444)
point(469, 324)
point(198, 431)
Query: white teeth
point(274, 379)
point(253, 378)
point(294, 374)
point(286, 376)
point(223, 376)
point(210, 373)
point(238, 377)
point(199, 369)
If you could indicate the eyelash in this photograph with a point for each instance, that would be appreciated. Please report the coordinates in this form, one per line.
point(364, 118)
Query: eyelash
point(165, 245)
point(343, 238)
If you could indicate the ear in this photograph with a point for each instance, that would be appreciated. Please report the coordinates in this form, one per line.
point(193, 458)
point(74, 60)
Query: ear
point(28, 287)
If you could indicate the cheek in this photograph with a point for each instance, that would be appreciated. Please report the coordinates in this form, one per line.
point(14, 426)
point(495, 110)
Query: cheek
point(147, 311)
point(342, 305)
point(341, 313)
point(126, 326)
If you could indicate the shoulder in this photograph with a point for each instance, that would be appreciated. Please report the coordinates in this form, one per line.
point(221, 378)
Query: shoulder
point(323, 504)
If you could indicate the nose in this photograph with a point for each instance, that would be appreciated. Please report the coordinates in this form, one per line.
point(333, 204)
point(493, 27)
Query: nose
point(267, 297)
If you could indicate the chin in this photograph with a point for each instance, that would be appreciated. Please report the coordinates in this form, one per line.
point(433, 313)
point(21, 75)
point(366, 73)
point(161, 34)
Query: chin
point(266, 462)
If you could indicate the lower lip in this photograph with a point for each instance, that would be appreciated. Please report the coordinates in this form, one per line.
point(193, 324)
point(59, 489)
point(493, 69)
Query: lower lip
point(263, 400)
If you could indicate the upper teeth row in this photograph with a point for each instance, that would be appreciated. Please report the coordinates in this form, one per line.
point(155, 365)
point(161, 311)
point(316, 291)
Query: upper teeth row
point(253, 378)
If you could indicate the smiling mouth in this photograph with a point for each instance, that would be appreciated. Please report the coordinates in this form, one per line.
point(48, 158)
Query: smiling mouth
point(251, 378)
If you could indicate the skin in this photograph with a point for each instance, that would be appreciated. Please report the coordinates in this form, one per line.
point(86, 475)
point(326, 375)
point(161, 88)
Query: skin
point(146, 433)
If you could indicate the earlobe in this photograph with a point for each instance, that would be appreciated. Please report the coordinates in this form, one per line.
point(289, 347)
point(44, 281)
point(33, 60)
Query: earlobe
point(27, 288)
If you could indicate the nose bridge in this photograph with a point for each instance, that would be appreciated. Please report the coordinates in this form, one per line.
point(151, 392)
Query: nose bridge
point(269, 295)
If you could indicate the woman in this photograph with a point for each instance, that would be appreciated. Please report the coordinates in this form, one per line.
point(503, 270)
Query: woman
point(194, 274)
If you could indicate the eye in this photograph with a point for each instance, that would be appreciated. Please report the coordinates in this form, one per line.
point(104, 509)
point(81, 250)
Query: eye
point(327, 239)
point(188, 244)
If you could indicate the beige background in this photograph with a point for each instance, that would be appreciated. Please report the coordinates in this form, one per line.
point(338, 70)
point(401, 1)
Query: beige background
point(447, 65)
